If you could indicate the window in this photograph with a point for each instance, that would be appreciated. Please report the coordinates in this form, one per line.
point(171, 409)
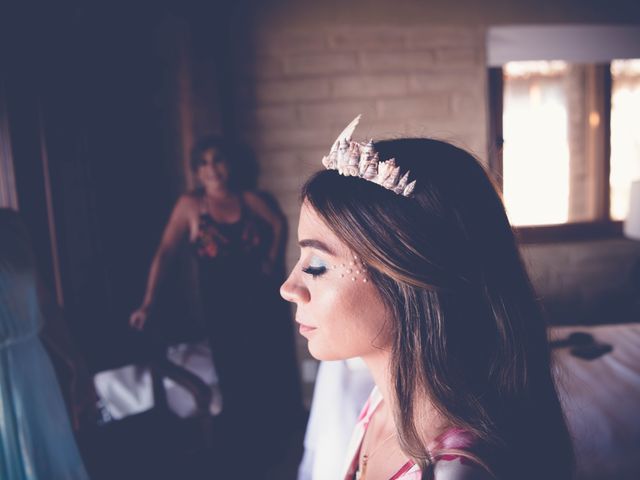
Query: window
point(564, 134)
point(625, 133)
point(569, 146)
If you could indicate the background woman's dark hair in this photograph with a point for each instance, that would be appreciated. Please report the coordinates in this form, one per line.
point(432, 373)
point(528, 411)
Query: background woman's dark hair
point(239, 158)
point(468, 332)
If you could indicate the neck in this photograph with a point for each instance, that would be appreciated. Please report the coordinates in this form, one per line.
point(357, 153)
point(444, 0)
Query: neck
point(378, 364)
point(430, 422)
point(217, 191)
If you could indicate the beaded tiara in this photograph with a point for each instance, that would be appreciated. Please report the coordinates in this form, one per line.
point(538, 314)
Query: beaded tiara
point(353, 159)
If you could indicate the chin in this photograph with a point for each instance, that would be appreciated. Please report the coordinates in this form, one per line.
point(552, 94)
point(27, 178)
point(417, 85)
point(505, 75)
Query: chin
point(325, 353)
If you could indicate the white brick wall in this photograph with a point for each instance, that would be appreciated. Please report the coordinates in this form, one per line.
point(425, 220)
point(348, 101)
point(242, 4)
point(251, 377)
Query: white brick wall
point(304, 86)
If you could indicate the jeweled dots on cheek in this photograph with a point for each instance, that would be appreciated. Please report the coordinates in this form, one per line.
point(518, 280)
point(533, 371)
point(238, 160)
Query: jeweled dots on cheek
point(357, 269)
point(354, 269)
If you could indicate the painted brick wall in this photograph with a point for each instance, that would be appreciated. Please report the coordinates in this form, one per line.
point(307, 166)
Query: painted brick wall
point(299, 88)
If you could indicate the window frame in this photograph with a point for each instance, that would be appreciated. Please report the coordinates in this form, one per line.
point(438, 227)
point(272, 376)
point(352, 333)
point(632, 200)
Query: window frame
point(602, 226)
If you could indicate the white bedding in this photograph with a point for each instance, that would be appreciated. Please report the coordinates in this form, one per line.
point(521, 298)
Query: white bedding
point(127, 390)
point(601, 398)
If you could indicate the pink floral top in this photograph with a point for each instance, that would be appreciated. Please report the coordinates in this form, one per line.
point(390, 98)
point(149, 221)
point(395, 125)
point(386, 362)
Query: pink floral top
point(447, 467)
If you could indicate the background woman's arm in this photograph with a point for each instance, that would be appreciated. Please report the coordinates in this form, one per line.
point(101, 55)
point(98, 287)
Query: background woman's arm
point(175, 232)
point(259, 206)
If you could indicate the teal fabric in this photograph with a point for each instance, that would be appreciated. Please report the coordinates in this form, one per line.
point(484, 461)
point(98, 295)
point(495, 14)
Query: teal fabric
point(36, 439)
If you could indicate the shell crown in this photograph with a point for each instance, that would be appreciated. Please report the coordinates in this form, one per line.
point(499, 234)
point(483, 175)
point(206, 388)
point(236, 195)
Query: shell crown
point(354, 159)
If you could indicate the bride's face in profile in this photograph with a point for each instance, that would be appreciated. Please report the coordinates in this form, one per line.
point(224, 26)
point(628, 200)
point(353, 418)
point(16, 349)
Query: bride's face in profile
point(339, 310)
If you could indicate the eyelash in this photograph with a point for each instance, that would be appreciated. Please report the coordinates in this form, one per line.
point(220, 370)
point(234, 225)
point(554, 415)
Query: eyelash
point(314, 271)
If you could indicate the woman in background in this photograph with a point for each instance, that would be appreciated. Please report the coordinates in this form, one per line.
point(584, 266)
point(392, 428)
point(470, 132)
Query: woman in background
point(410, 264)
point(236, 239)
point(36, 440)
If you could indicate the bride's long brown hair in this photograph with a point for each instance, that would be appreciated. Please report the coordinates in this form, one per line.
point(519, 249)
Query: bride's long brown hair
point(468, 333)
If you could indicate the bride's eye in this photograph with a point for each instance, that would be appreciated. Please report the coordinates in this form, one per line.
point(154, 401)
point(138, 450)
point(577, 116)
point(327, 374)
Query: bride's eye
point(314, 271)
point(315, 268)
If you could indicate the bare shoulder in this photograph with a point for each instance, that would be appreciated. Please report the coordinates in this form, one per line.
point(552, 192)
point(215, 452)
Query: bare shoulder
point(253, 199)
point(189, 198)
point(188, 202)
point(260, 206)
point(185, 211)
point(460, 468)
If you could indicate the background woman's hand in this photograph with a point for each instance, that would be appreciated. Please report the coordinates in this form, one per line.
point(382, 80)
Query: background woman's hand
point(139, 318)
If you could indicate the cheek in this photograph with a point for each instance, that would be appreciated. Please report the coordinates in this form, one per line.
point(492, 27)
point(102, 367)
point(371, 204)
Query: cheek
point(222, 171)
point(353, 320)
point(204, 171)
point(341, 293)
point(372, 317)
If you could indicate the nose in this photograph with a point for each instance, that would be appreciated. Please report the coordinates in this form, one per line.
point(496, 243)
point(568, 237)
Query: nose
point(294, 291)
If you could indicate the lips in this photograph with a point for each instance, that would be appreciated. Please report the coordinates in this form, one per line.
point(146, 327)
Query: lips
point(305, 328)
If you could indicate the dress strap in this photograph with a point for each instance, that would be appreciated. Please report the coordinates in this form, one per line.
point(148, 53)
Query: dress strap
point(202, 206)
point(245, 211)
point(405, 468)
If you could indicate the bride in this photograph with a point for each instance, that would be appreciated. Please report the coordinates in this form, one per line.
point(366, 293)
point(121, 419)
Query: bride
point(409, 262)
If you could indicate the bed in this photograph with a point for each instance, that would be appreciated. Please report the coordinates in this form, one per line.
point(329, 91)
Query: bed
point(601, 398)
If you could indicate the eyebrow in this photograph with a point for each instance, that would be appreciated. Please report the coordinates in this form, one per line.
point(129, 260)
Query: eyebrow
point(317, 244)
